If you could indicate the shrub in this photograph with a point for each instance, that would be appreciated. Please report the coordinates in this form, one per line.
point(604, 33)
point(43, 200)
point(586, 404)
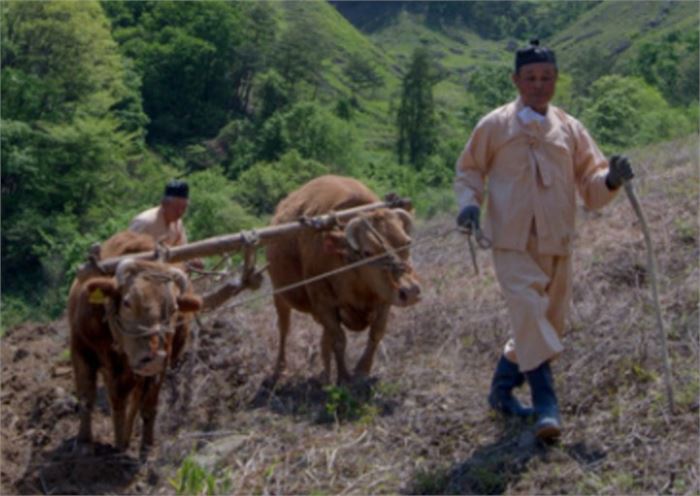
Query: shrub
point(213, 209)
point(262, 186)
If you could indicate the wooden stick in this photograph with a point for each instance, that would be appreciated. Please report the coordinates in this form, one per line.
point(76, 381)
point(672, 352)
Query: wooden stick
point(651, 265)
point(223, 244)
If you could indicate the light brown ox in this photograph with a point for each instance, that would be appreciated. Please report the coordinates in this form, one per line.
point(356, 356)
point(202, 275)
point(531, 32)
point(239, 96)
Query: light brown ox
point(128, 327)
point(356, 298)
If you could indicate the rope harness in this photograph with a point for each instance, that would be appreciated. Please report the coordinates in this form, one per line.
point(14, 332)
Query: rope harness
point(357, 260)
point(140, 331)
point(390, 261)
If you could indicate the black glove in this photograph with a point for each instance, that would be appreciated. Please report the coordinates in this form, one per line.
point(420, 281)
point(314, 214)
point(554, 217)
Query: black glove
point(619, 172)
point(468, 218)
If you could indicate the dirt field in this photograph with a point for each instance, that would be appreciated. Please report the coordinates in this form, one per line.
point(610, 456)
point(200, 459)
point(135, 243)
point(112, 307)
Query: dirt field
point(421, 424)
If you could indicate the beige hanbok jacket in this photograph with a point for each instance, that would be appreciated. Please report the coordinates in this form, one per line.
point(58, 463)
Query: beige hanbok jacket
point(533, 169)
point(152, 222)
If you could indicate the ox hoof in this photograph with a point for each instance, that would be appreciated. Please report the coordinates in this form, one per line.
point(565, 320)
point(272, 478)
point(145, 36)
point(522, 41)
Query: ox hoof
point(277, 376)
point(121, 448)
point(83, 448)
point(324, 379)
point(346, 380)
point(146, 453)
point(361, 379)
point(360, 375)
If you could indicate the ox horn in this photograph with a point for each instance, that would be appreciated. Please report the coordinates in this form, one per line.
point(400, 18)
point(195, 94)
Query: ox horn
point(351, 232)
point(125, 270)
point(179, 278)
point(406, 219)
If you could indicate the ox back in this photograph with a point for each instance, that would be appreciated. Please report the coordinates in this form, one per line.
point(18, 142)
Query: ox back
point(357, 298)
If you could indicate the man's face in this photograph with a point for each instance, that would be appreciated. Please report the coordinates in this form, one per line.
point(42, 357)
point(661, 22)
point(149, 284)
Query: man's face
point(536, 84)
point(173, 208)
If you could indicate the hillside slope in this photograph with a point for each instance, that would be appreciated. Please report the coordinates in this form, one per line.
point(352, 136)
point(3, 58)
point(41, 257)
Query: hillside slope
point(616, 29)
point(343, 42)
point(612, 31)
point(421, 425)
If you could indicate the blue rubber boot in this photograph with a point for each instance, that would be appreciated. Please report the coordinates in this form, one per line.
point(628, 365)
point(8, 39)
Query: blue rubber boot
point(501, 399)
point(544, 399)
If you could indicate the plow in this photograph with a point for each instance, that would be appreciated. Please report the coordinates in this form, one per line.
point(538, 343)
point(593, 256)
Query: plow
point(247, 242)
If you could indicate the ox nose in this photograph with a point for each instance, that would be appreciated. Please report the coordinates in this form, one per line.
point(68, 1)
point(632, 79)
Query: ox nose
point(409, 294)
point(151, 364)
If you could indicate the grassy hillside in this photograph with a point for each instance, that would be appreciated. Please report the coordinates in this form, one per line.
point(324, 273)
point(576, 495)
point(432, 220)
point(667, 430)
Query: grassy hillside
point(456, 53)
point(616, 29)
point(613, 30)
point(374, 120)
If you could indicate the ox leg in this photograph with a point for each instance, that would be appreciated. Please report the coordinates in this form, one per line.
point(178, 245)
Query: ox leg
point(326, 349)
point(149, 410)
point(119, 392)
point(133, 405)
point(376, 333)
point(86, 387)
point(284, 312)
point(333, 339)
point(179, 339)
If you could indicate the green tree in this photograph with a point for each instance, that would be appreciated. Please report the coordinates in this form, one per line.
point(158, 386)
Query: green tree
point(672, 65)
point(416, 114)
point(261, 187)
point(319, 135)
point(313, 131)
point(194, 60)
point(488, 87)
point(255, 51)
point(214, 209)
point(362, 73)
point(59, 60)
point(300, 52)
point(273, 95)
point(624, 112)
point(67, 101)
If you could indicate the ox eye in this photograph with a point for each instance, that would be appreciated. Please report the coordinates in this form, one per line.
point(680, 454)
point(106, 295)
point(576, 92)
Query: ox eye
point(126, 304)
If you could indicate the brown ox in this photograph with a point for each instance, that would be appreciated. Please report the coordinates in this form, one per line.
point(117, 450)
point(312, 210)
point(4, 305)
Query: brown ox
point(355, 298)
point(129, 327)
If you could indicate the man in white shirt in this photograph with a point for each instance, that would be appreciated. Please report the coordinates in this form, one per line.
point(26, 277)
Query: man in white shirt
point(164, 222)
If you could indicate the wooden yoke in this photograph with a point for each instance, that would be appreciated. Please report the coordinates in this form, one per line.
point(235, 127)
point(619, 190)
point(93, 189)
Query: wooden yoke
point(219, 245)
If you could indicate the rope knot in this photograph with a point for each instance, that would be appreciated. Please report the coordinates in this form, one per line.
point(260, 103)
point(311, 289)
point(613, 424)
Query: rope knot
point(250, 238)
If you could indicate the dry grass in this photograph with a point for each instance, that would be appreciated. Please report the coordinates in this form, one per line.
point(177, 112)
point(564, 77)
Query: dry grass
point(421, 425)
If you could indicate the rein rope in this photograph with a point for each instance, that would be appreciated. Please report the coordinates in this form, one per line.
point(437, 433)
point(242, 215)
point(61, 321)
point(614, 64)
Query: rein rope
point(344, 268)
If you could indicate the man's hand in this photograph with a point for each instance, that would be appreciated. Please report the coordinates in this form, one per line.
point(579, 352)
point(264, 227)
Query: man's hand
point(468, 218)
point(619, 172)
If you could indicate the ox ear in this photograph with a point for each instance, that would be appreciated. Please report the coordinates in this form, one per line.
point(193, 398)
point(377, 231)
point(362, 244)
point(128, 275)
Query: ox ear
point(101, 288)
point(189, 303)
point(334, 243)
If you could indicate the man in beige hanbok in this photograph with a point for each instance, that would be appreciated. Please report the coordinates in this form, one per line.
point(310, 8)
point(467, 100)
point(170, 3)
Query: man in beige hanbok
point(535, 158)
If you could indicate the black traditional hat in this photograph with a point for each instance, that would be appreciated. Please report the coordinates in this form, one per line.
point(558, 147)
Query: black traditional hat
point(533, 55)
point(177, 188)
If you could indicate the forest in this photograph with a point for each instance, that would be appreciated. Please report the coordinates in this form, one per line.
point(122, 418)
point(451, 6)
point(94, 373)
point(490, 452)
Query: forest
point(104, 101)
